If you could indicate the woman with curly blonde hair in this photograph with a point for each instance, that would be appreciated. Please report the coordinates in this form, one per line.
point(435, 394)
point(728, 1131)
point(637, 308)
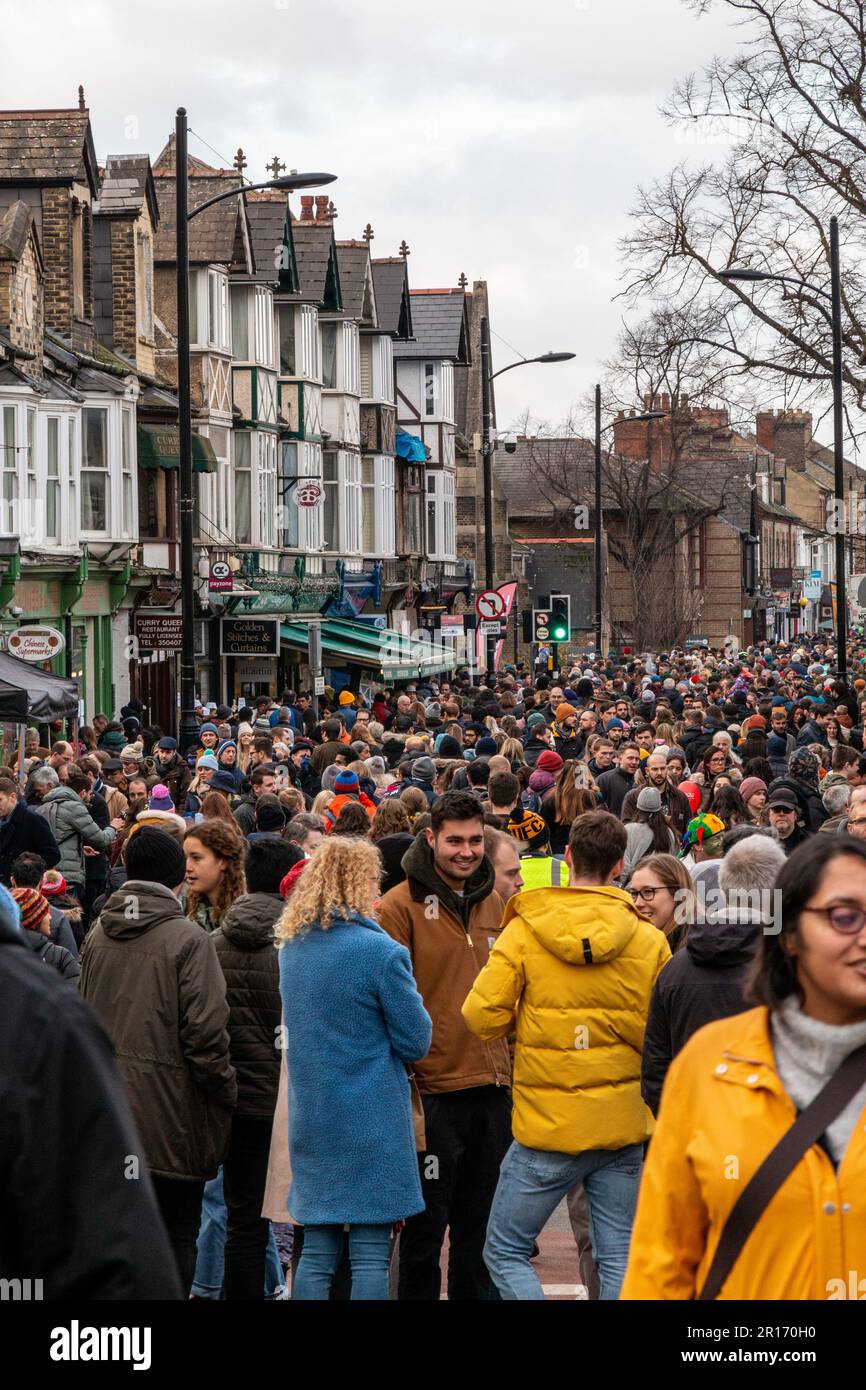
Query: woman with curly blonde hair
point(214, 871)
point(512, 749)
point(353, 1020)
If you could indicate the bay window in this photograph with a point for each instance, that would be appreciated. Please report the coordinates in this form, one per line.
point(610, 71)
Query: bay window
point(264, 326)
point(286, 328)
point(240, 324)
point(310, 358)
point(368, 506)
point(10, 470)
point(218, 310)
point(329, 356)
point(243, 488)
point(331, 505)
point(288, 536)
point(95, 507)
point(52, 481)
point(440, 515)
point(266, 477)
point(126, 483)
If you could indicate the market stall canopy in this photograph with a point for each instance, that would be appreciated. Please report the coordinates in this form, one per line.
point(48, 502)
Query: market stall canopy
point(396, 655)
point(27, 692)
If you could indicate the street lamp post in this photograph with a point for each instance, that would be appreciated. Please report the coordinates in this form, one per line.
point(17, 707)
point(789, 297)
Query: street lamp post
point(487, 378)
point(644, 415)
point(188, 730)
point(835, 298)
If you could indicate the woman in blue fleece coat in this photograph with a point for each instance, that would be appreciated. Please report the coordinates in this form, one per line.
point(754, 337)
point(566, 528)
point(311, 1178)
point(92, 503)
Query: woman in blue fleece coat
point(353, 1020)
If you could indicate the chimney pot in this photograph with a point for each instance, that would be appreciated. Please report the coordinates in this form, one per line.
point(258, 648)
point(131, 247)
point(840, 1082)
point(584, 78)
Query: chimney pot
point(307, 207)
point(322, 201)
point(666, 401)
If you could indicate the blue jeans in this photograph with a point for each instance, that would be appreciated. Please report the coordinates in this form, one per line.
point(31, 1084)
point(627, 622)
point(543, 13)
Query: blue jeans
point(210, 1262)
point(369, 1251)
point(532, 1183)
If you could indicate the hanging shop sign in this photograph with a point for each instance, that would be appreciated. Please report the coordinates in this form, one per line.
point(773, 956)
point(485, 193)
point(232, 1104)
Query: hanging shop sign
point(159, 632)
point(249, 637)
point(220, 579)
point(35, 643)
point(308, 494)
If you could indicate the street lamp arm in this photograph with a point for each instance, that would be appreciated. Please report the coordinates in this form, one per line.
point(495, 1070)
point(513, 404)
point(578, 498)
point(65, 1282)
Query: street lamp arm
point(545, 358)
point(288, 184)
point(764, 275)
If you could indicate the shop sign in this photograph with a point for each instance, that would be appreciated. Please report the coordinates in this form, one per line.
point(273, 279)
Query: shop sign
point(35, 643)
point(159, 632)
point(220, 579)
point(249, 637)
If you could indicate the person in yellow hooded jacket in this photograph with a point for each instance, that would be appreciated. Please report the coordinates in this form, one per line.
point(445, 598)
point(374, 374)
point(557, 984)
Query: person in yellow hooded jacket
point(736, 1089)
point(571, 974)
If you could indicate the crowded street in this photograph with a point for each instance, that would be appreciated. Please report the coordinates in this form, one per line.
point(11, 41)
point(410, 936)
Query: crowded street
point(432, 680)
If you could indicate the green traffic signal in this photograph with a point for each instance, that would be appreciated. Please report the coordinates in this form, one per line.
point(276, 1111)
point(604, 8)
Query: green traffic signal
point(559, 634)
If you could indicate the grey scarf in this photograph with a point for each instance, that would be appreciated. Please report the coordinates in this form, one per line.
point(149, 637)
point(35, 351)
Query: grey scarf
point(807, 1054)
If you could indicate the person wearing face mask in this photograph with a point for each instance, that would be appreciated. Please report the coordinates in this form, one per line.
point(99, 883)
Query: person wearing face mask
point(745, 1083)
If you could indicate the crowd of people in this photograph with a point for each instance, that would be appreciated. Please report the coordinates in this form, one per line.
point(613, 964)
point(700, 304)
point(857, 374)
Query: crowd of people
point(348, 976)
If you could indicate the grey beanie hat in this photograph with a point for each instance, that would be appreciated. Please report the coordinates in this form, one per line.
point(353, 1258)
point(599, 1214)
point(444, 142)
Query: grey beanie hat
point(649, 799)
point(424, 769)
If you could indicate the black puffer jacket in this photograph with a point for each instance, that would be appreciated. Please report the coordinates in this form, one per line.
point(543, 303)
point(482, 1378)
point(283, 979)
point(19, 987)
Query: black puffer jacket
point(153, 978)
point(704, 981)
point(246, 951)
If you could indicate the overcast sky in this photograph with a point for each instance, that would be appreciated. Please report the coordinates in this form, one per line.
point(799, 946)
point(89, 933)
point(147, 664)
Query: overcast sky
point(502, 139)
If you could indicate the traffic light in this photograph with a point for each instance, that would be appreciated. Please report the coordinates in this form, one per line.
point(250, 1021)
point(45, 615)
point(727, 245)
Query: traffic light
point(560, 617)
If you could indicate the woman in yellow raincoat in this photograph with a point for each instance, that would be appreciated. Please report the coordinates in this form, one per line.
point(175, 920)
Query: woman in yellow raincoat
point(737, 1087)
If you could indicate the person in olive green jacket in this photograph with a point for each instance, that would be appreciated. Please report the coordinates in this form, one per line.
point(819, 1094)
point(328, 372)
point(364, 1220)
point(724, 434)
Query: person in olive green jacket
point(154, 979)
point(572, 973)
point(72, 825)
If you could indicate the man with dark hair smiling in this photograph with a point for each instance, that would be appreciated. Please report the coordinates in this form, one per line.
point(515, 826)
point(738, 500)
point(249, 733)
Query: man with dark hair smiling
point(447, 915)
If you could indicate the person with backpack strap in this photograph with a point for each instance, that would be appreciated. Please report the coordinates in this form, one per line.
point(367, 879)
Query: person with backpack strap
point(753, 1186)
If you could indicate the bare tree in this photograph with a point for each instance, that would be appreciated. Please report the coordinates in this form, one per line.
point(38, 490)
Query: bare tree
point(655, 501)
point(789, 116)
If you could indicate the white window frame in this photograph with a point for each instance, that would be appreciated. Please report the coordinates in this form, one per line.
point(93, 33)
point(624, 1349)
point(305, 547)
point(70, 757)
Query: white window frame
point(128, 489)
point(351, 383)
point(440, 491)
point(264, 327)
point(310, 363)
point(265, 476)
point(54, 424)
point(386, 506)
point(243, 471)
point(216, 306)
point(105, 408)
point(10, 466)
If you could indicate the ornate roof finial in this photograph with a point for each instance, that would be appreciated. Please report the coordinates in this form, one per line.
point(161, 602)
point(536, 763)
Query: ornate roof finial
point(462, 282)
point(404, 249)
point(332, 212)
point(274, 167)
point(240, 161)
point(81, 103)
point(368, 234)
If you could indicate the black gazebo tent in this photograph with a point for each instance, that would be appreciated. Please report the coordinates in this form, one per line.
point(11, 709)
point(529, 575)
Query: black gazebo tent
point(27, 692)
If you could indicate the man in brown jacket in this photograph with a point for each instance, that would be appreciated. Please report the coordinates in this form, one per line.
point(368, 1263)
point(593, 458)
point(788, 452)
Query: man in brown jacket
point(447, 914)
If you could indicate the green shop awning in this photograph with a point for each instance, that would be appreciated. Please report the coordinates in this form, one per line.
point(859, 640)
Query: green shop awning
point(159, 447)
point(397, 656)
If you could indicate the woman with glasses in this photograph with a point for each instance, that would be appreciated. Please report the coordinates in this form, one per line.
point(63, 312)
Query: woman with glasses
point(661, 888)
point(738, 1086)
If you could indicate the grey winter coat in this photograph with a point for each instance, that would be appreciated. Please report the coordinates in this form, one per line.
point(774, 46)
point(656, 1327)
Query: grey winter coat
point(73, 826)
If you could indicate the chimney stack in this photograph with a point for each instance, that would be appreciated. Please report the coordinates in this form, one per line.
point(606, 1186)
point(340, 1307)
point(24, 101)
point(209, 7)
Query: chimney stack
point(306, 207)
point(322, 201)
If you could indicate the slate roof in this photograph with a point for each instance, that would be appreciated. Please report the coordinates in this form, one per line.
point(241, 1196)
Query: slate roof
point(266, 214)
point(353, 258)
point(393, 301)
point(312, 252)
point(440, 326)
point(213, 236)
point(36, 146)
point(15, 225)
point(127, 181)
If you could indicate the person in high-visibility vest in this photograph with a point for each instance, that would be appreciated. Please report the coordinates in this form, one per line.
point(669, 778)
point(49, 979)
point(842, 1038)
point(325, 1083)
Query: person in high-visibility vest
point(538, 867)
